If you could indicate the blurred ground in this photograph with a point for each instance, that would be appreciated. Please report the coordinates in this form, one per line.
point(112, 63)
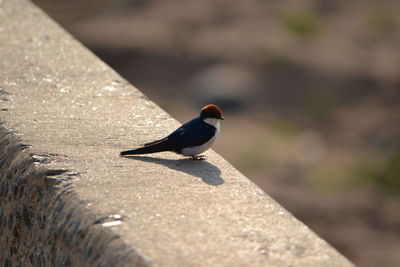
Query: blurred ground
point(310, 90)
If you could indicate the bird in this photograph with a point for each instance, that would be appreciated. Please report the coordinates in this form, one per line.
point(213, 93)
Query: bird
point(191, 139)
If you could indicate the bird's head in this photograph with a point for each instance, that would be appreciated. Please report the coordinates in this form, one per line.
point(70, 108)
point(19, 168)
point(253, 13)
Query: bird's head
point(211, 111)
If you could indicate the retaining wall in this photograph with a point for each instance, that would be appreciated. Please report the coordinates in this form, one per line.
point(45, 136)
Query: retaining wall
point(67, 198)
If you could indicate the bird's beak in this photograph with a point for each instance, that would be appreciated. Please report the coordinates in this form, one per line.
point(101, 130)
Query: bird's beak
point(221, 118)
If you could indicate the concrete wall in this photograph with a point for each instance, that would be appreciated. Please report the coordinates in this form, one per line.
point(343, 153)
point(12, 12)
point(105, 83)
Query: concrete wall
point(67, 198)
point(41, 221)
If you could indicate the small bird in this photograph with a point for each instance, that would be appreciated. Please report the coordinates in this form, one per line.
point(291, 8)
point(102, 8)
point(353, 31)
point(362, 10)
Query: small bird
point(191, 139)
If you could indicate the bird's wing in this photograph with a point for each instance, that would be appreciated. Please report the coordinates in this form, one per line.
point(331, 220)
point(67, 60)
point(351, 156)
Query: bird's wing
point(193, 133)
point(156, 142)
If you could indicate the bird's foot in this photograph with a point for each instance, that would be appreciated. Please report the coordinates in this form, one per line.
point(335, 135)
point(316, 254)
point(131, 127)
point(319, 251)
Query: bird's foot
point(199, 157)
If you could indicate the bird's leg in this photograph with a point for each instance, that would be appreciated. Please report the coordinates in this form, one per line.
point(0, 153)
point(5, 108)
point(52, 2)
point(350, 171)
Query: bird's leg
point(199, 157)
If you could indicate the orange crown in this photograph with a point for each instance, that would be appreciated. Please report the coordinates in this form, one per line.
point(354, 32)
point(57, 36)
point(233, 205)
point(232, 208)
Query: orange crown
point(211, 111)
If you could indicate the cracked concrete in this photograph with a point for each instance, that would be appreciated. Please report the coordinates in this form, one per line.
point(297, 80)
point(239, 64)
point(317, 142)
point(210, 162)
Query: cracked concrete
point(77, 114)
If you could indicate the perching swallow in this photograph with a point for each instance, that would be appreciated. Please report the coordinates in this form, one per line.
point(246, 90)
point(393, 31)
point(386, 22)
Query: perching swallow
point(191, 139)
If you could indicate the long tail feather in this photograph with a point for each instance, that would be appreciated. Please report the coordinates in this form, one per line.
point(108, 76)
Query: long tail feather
point(153, 147)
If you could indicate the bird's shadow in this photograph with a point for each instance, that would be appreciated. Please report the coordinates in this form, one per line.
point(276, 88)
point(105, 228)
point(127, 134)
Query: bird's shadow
point(209, 173)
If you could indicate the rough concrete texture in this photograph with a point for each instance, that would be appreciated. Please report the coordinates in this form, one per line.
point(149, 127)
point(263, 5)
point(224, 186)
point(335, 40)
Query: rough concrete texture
point(76, 114)
point(43, 224)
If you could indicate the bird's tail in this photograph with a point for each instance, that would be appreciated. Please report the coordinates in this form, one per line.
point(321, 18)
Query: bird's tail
point(153, 147)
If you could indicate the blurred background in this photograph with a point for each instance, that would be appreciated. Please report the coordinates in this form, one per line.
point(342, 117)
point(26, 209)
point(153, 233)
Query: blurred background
point(310, 91)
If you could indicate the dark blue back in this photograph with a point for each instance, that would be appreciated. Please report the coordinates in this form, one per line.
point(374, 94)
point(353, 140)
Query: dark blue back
point(193, 133)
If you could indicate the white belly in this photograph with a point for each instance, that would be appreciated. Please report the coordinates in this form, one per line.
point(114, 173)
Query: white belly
point(196, 150)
